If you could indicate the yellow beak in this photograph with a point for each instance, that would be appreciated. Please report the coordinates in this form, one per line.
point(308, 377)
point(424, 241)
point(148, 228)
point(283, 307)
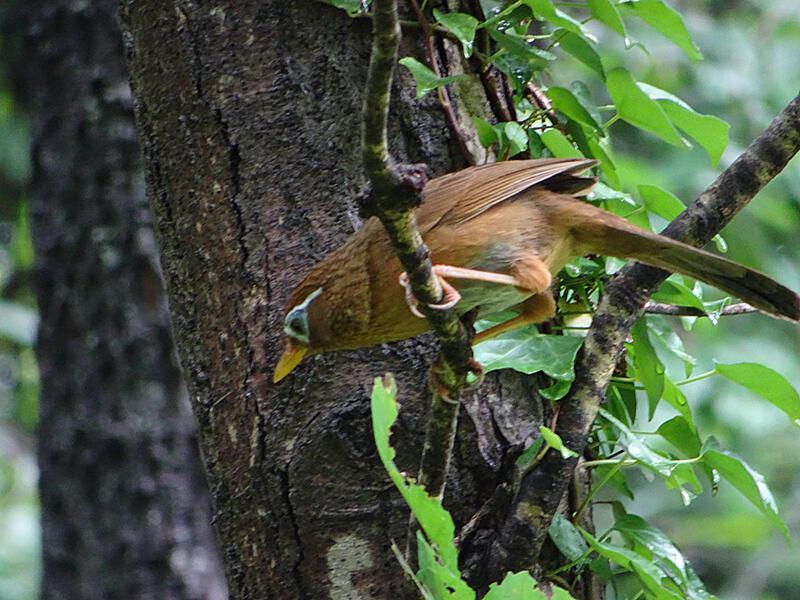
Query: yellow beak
point(290, 358)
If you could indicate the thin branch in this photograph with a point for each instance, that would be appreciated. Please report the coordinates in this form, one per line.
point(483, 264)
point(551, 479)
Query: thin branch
point(393, 199)
point(520, 539)
point(542, 101)
point(657, 308)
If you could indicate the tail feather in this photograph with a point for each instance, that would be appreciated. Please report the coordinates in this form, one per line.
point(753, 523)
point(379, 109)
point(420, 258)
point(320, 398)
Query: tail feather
point(604, 233)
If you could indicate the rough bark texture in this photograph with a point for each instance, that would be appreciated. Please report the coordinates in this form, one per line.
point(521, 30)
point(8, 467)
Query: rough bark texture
point(249, 118)
point(125, 510)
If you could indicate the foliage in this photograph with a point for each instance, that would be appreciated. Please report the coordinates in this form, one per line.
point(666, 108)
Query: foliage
point(438, 577)
point(19, 381)
point(532, 42)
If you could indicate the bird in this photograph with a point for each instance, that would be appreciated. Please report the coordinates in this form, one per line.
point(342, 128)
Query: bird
point(497, 235)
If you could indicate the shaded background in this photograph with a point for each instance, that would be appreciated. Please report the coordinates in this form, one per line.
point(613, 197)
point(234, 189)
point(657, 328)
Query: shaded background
point(748, 74)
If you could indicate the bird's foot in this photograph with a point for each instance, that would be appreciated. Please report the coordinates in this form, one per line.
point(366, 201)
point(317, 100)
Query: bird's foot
point(449, 300)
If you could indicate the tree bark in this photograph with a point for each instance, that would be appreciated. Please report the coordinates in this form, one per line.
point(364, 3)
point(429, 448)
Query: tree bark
point(249, 119)
point(125, 510)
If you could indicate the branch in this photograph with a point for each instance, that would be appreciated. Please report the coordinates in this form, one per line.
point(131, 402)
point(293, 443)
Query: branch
point(395, 191)
point(520, 539)
point(657, 308)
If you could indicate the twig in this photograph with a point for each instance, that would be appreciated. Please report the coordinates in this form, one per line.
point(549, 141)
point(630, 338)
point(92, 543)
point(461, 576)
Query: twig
point(393, 197)
point(520, 538)
point(542, 101)
point(658, 308)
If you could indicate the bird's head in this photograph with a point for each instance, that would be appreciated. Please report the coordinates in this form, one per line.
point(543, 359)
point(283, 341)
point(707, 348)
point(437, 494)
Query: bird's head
point(299, 325)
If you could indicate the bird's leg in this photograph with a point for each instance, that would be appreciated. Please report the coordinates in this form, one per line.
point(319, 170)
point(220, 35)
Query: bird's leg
point(451, 295)
point(535, 309)
point(534, 276)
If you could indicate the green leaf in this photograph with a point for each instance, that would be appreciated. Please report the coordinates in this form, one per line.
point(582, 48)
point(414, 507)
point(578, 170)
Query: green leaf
point(564, 100)
point(678, 432)
point(435, 521)
point(554, 441)
point(765, 382)
point(526, 459)
point(516, 586)
point(353, 7)
point(487, 133)
point(648, 573)
point(516, 137)
point(526, 351)
point(567, 538)
point(556, 391)
point(523, 49)
point(578, 47)
point(668, 23)
point(748, 481)
point(544, 10)
point(672, 292)
point(634, 106)
point(638, 450)
point(660, 332)
point(535, 144)
point(599, 150)
point(584, 97)
point(425, 78)
point(605, 12)
point(521, 58)
point(439, 580)
point(647, 366)
point(21, 246)
point(462, 25)
point(675, 476)
point(558, 594)
point(675, 398)
point(559, 145)
point(665, 554)
point(621, 402)
point(709, 131)
point(607, 475)
point(518, 71)
point(661, 202)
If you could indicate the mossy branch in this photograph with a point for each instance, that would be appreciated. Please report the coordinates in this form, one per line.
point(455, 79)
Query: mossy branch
point(395, 192)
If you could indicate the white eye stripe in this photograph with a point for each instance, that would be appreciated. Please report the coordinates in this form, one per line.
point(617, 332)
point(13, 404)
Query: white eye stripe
point(308, 299)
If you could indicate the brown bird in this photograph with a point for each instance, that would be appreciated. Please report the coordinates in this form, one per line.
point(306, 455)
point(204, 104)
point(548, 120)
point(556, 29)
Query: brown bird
point(498, 233)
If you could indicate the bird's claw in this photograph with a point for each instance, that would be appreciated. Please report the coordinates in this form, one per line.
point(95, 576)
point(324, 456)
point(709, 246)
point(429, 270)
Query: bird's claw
point(450, 299)
point(476, 369)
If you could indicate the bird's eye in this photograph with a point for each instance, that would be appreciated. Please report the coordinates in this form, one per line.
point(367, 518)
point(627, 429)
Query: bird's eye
point(296, 322)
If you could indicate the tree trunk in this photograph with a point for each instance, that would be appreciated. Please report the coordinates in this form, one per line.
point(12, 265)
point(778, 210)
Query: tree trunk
point(249, 118)
point(125, 511)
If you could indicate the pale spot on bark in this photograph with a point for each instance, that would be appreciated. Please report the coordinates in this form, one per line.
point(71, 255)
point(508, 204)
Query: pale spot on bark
point(349, 557)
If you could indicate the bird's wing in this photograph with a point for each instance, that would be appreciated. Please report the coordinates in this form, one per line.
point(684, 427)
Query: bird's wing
point(465, 194)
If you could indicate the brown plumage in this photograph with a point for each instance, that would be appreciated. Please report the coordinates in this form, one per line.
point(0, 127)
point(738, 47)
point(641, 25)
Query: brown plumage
point(518, 218)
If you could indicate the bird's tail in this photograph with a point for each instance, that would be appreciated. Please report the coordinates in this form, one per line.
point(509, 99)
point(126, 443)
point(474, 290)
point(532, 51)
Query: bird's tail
point(601, 232)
